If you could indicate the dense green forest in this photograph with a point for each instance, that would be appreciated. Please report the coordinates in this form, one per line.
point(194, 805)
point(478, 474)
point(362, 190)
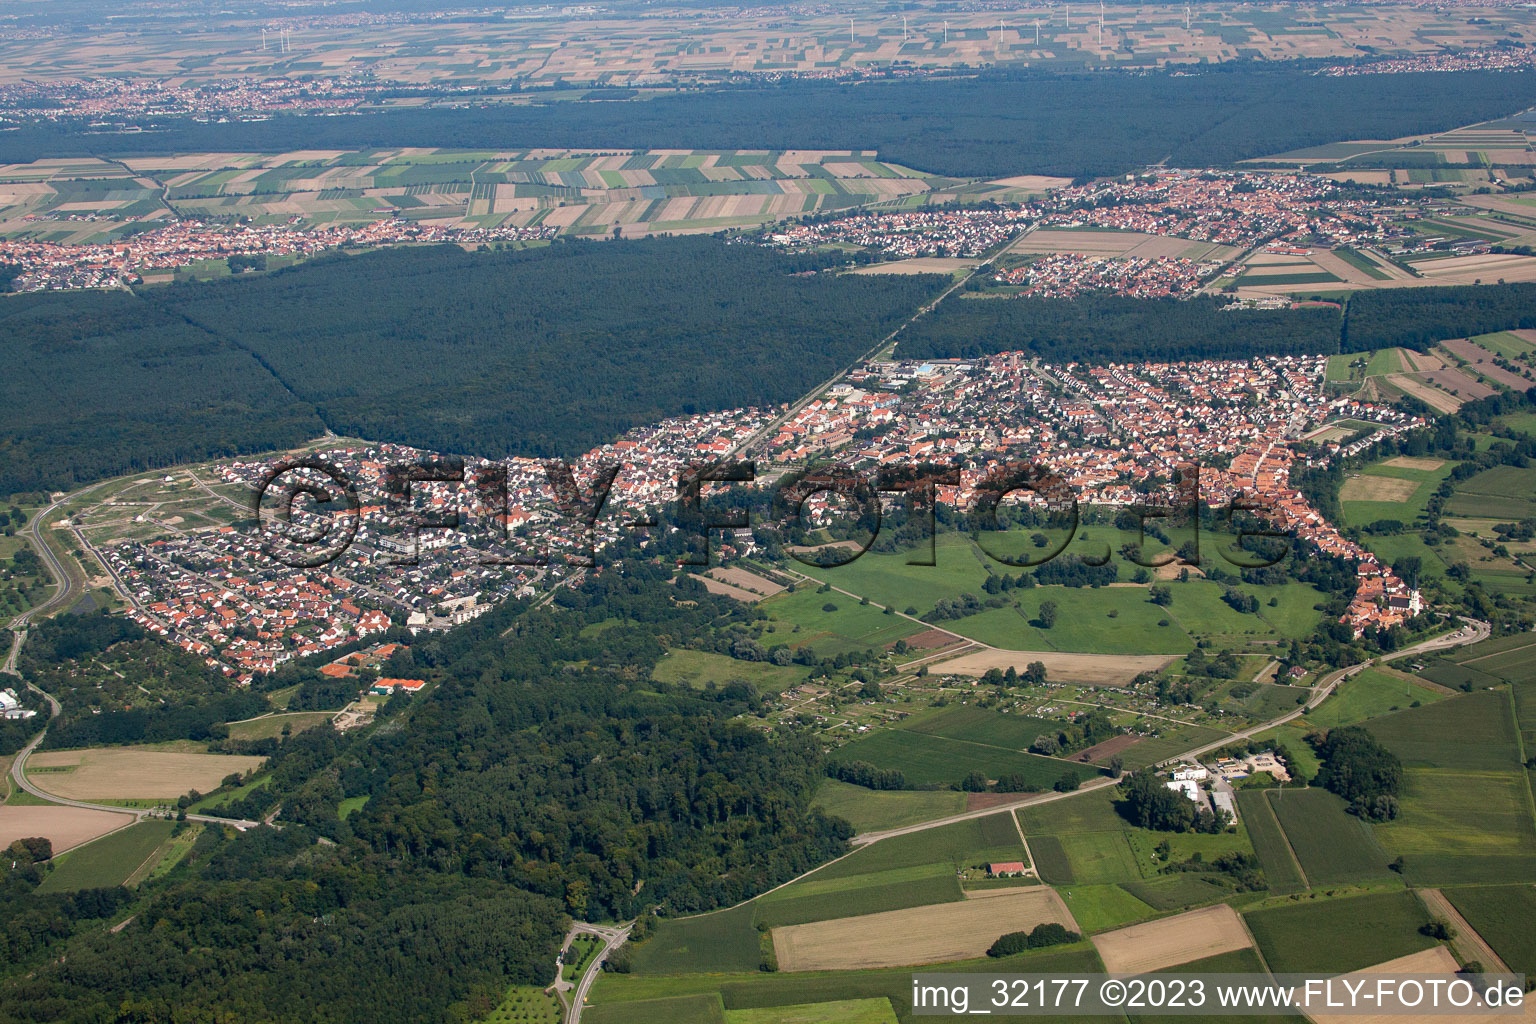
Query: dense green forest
point(549, 351)
point(117, 684)
point(543, 776)
point(993, 124)
point(1100, 326)
point(100, 383)
point(1420, 317)
point(545, 351)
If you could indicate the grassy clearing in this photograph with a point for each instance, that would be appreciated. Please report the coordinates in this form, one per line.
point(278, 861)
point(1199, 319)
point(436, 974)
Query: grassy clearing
point(934, 760)
point(700, 669)
point(1098, 908)
point(1333, 847)
point(1502, 915)
point(272, 726)
point(1099, 857)
point(109, 860)
point(1370, 693)
point(1504, 492)
point(1337, 935)
point(870, 811)
point(723, 941)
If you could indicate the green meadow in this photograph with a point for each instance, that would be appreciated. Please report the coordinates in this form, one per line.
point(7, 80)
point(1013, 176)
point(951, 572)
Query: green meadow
point(1338, 935)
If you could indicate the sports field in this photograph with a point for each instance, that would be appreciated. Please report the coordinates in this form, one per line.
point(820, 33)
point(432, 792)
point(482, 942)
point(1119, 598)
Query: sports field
point(125, 773)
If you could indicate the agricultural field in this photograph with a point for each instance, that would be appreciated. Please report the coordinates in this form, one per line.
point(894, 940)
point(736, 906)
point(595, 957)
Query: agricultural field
point(1342, 934)
point(757, 990)
point(1503, 492)
point(842, 1011)
point(579, 193)
point(720, 942)
point(1466, 807)
point(110, 860)
point(1098, 908)
point(65, 827)
point(1502, 915)
point(1172, 940)
point(129, 773)
point(935, 760)
point(1333, 847)
point(1385, 491)
point(820, 900)
point(1282, 871)
point(919, 935)
point(870, 810)
point(1372, 692)
point(694, 1009)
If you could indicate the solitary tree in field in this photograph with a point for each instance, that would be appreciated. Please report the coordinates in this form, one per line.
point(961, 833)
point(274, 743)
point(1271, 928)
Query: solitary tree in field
point(1047, 614)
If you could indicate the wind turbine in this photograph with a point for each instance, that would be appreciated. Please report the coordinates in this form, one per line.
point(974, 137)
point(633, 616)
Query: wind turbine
point(946, 33)
point(903, 30)
point(1037, 31)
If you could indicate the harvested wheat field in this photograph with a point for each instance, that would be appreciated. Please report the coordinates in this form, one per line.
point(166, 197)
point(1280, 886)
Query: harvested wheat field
point(1414, 462)
point(1428, 394)
point(919, 935)
point(1172, 940)
point(746, 580)
point(1434, 962)
point(1377, 488)
point(127, 773)
point(64, 827)
point(1063, 668)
